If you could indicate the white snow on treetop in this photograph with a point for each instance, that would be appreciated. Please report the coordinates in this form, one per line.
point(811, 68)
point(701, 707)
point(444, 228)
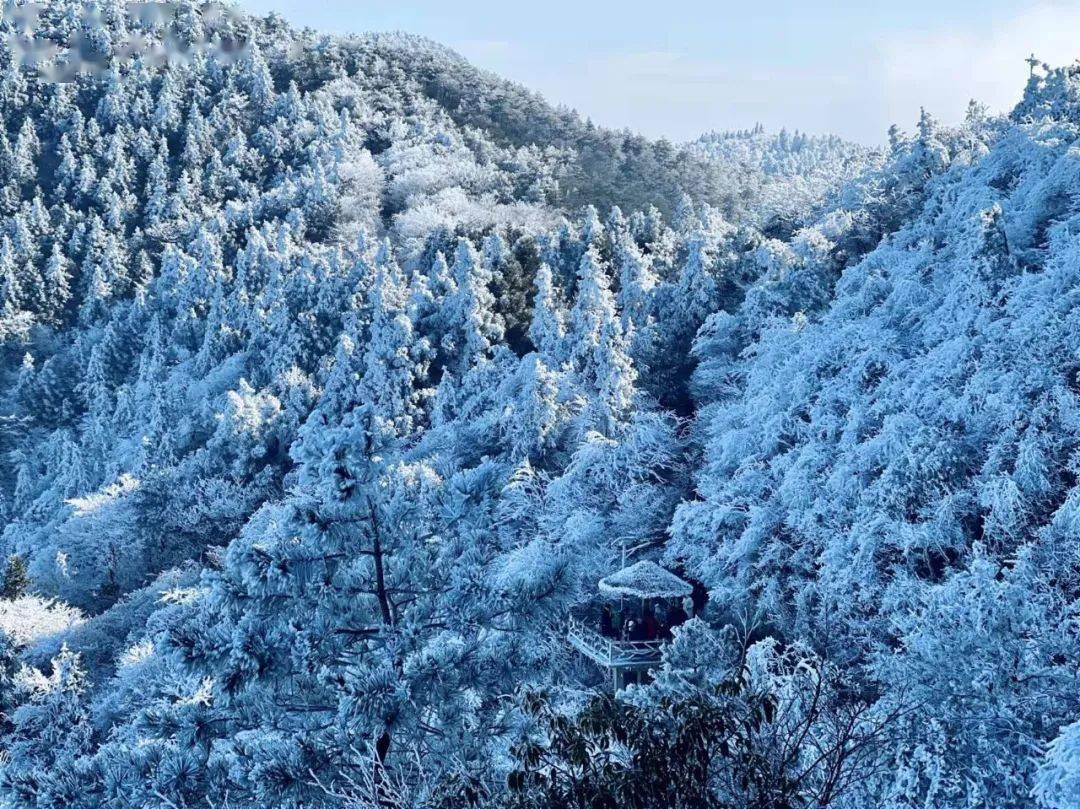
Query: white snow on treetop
point(645, 580)
point(29, 618)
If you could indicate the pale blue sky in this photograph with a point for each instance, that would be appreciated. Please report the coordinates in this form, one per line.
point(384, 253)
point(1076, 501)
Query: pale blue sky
point(677, 68)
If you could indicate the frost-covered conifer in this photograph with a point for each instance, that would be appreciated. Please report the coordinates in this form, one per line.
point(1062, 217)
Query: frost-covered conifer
point(473, 325)
point(636, 285)
point(547, 331)
point(25, 153)
point(49, 730)
point(598, 347)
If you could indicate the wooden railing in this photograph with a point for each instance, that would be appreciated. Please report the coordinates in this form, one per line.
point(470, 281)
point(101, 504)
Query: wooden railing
point(612, 653)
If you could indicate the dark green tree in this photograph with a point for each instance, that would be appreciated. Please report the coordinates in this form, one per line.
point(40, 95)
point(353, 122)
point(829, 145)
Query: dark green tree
point(16, 580)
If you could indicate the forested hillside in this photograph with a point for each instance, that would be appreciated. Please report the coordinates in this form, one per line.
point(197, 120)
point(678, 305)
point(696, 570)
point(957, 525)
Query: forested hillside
point(337, 373)
point(788, 176)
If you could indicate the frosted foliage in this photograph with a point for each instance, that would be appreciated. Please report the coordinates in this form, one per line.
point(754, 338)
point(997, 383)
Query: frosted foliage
point(1057, 782)
point(29, 619)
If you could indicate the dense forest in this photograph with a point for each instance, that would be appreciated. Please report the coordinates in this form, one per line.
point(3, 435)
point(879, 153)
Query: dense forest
point(336, 373)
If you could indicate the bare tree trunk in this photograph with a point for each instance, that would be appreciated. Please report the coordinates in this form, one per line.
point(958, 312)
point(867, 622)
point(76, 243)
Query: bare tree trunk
point(380, 575)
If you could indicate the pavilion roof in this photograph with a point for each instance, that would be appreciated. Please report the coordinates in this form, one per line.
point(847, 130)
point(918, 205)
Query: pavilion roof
point(645, 580)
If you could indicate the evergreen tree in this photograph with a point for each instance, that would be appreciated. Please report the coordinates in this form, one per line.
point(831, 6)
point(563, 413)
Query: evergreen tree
point(473, 326)
point(12, 294)
point(25, 154)
point(548, 329)
point(15, 580)
point(51, 727)
point(598, 346)
point(390, 361)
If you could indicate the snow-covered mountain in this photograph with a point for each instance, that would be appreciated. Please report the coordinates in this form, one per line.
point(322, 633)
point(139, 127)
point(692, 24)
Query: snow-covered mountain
point(337, 373)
